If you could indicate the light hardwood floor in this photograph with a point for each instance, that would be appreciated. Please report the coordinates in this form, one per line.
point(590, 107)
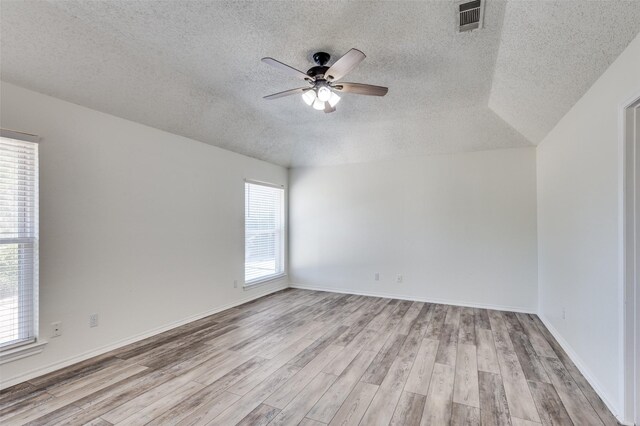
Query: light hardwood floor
point(308, 358)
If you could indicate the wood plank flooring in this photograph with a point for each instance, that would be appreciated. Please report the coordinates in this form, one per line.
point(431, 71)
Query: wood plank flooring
point(300, 357)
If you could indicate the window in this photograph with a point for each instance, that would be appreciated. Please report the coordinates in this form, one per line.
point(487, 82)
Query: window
point(18, 240)
point(264, 232)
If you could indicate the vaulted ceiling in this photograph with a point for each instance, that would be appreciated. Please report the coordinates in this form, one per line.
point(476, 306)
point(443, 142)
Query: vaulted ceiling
point(193, 68)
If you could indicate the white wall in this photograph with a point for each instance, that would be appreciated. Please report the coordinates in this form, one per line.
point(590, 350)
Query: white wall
point(579, 226)
point(460, 228)
point(143, 227)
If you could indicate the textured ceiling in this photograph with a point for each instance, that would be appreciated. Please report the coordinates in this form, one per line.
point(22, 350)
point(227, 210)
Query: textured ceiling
point(551, 52)
point(193, 68)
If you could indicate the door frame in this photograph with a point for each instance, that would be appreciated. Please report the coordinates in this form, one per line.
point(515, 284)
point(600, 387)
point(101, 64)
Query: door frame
point(630, 250)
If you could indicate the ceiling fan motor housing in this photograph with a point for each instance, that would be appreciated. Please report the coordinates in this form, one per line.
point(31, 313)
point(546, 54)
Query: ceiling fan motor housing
point(317, 71)
point(321, 59)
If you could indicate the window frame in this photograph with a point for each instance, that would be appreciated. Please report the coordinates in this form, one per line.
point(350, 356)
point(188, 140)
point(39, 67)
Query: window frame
point(284, 240)
point(30, 345)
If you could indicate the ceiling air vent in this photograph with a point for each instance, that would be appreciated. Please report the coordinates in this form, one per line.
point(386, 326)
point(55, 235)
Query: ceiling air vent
point(469, 15)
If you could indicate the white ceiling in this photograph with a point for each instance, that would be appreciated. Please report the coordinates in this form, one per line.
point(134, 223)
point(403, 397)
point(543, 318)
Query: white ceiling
point(193, 68)
point(551, 52)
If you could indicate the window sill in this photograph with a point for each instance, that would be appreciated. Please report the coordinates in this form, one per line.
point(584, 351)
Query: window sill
point(263, 281)
point(19, 352)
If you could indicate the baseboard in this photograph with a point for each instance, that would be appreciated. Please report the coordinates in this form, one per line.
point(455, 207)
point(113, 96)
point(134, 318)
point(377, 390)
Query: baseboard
point(584, 370)
point(416, 299)
point(5, 383)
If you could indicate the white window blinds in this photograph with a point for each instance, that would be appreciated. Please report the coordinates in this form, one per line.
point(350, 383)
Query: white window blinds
point(264, 232)
point(18, 241)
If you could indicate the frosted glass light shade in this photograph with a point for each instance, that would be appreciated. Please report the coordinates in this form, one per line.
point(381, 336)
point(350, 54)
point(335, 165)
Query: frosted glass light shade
point(324, 94)
point(308, 97)
point(318, 104)
point(334, 99)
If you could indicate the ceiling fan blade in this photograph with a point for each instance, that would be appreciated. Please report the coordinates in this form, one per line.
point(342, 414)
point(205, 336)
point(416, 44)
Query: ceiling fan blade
point(346, 63)
point(328, 108)
point(361, 89)
point(287, 93)
point(286, 69)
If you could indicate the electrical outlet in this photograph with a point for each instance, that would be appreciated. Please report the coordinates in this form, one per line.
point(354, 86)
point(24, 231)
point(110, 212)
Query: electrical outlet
point(56, 329)
point(376, 276)
point(564, 313)
point(93, 320)
point(235, 283)
point(399, 278)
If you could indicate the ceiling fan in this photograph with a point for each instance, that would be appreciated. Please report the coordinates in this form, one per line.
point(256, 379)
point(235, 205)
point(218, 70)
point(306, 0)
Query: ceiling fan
point(323, 80)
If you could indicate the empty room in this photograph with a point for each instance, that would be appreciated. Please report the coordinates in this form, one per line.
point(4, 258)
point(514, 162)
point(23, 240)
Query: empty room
point(347, 212)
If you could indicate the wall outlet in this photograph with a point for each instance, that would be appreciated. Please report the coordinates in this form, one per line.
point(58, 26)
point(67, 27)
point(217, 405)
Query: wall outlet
point(56, 329)
point(399, 278)
point(235, 283)
point(564, 313)
point(376, 276)
point(93, 320)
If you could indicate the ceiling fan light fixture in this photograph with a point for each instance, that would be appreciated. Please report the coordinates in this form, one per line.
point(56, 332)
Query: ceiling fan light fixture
point(324, 93)
point(318, 104)
point(321, 92)
point(308, 97)
point(334, 99)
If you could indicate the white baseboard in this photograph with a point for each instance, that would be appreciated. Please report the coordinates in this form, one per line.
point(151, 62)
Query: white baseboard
point(8, 382)
point(584, 370)
point(416, 299)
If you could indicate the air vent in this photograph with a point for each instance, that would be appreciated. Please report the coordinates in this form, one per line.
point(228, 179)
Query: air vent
point(469, 15)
